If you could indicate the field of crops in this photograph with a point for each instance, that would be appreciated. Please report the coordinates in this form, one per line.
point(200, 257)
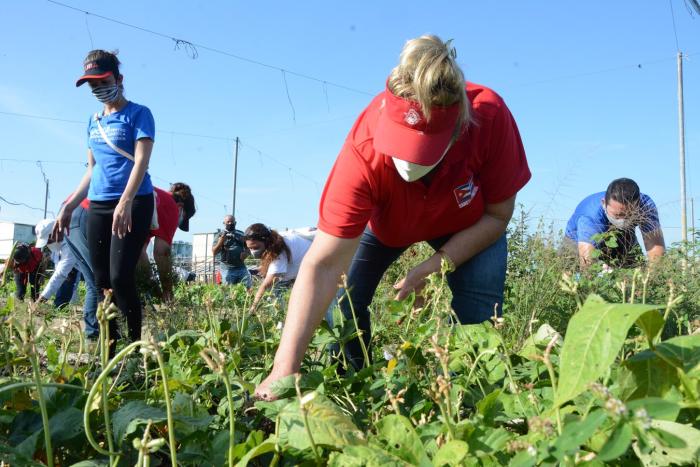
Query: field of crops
point(583, 369)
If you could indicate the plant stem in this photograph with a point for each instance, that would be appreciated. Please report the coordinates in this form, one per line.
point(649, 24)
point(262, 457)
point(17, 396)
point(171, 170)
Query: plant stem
point(104, 354)
point(93, 392)
point(232, 417)
point(42, 406)
point(168, 408)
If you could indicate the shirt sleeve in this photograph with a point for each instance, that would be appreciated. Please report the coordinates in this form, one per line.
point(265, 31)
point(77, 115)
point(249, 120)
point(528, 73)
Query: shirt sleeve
point(279, 265)
point(650, 216)
point(64, 266)
point(586, 228)
point(346, 203)
point(144, 125)
point(504, 170)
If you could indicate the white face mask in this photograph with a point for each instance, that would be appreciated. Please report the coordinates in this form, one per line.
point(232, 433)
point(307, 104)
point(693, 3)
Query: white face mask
point(410, 171)
point(257, 253)
point(622, 224)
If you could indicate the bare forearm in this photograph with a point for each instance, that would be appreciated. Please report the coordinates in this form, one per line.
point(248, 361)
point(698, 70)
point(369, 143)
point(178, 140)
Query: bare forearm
point(266, 284)
point(135, 179)
point(315, 287)
point(81, 191)
point(656, 252)
point(165, 272)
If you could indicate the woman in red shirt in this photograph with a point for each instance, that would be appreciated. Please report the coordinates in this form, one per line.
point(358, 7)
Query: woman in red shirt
point(27, 263)
point(430, 159)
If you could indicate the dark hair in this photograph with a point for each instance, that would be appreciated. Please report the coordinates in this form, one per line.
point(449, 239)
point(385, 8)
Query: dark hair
point(109, 58)
point(183, 194)
point(623, 190)
point(22, 253)
point(274, 245)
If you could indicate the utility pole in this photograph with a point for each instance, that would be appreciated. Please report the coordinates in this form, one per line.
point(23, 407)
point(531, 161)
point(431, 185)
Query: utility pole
point(235, 176)
point(681, 140)
point(46, 196)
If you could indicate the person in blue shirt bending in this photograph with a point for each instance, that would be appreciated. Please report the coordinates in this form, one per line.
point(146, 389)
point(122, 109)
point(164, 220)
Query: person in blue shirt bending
point(120, 140)
point(616, 212)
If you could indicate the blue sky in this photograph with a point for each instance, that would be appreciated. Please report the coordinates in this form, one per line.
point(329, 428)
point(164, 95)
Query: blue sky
point(592, 86)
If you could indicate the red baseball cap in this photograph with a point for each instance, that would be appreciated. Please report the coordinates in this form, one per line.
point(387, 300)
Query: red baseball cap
point(98, 69)
point(403, 131)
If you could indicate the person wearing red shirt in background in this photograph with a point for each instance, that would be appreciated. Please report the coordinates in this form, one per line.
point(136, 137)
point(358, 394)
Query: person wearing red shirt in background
point(175, 208)
point(27, 263)
point(429, 159)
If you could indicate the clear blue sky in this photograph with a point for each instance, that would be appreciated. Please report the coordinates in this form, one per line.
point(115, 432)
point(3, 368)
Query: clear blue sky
point(592, 86)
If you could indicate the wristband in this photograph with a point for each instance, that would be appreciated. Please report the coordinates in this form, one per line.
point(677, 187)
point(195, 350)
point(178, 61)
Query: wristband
point(450, 262)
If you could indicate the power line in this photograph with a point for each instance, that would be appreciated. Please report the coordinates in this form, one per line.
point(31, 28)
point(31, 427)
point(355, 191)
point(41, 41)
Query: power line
point(196, 135)
point(13, 203)
point(673, 19)
point(192, 52)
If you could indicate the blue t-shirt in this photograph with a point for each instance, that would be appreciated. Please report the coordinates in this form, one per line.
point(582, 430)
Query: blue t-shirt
point(111, 171)
point(589, 218)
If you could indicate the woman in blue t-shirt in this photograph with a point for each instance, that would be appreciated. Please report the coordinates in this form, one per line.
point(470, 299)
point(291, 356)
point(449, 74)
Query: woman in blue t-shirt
point(120, 141)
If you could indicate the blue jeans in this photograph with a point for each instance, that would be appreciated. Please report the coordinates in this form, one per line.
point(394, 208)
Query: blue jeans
point(77, 241)
point(234, 274)
point(477, 285)
point(65, 293)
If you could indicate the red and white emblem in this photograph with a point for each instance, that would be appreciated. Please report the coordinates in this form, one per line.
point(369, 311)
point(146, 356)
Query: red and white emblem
point(412, 117)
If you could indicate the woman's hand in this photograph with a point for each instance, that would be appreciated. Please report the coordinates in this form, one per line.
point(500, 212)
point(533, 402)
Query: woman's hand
point(264, 390)
point(62, 222)
point(415, 279)
point(121, 221)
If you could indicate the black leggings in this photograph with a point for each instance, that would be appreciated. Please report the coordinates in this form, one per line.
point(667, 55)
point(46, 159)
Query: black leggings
point(114, 259)
point(24, 280)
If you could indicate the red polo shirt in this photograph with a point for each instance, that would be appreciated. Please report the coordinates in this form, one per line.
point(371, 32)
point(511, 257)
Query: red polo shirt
point(168, 216)
point(486, 164)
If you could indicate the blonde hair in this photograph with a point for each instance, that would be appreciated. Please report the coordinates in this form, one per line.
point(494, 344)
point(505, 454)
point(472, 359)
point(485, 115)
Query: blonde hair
point(428, 74)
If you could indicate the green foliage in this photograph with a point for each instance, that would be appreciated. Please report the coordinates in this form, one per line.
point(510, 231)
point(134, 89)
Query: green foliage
point(586, 367)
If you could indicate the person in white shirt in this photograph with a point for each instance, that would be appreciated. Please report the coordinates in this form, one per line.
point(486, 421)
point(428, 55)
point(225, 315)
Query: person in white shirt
point(280, 254)
point(61, 254)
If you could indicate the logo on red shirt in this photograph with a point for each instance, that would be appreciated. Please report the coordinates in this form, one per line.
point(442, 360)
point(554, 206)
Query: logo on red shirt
point(464, 194)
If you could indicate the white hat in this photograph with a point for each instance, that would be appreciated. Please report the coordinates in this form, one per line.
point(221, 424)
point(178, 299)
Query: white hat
point(43, 231)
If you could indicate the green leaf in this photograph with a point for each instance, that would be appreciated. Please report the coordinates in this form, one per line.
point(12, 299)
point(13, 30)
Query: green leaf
point(329, 426)
point(452, 454)
point(656, 407)
point(490, 406)
point(646, 375)
point(366, 456)
point(285, 387)
point(397, 436)
point(91, 463)
point(577, 433)
point(664, 455)
point(66, 425)
point(131, 415)
point(617, 444)
point(536, 343)
point(593, 339)
point(266, 447)
point(682, 352)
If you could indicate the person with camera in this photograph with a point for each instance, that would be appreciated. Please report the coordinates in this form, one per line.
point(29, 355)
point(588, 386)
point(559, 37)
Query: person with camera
point(231, 245)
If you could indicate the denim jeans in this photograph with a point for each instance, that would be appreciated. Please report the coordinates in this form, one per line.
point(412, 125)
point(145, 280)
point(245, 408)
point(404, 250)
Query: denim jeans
point(476, 285)
point(68, 289)
point(234, 274)
point(77, 241)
